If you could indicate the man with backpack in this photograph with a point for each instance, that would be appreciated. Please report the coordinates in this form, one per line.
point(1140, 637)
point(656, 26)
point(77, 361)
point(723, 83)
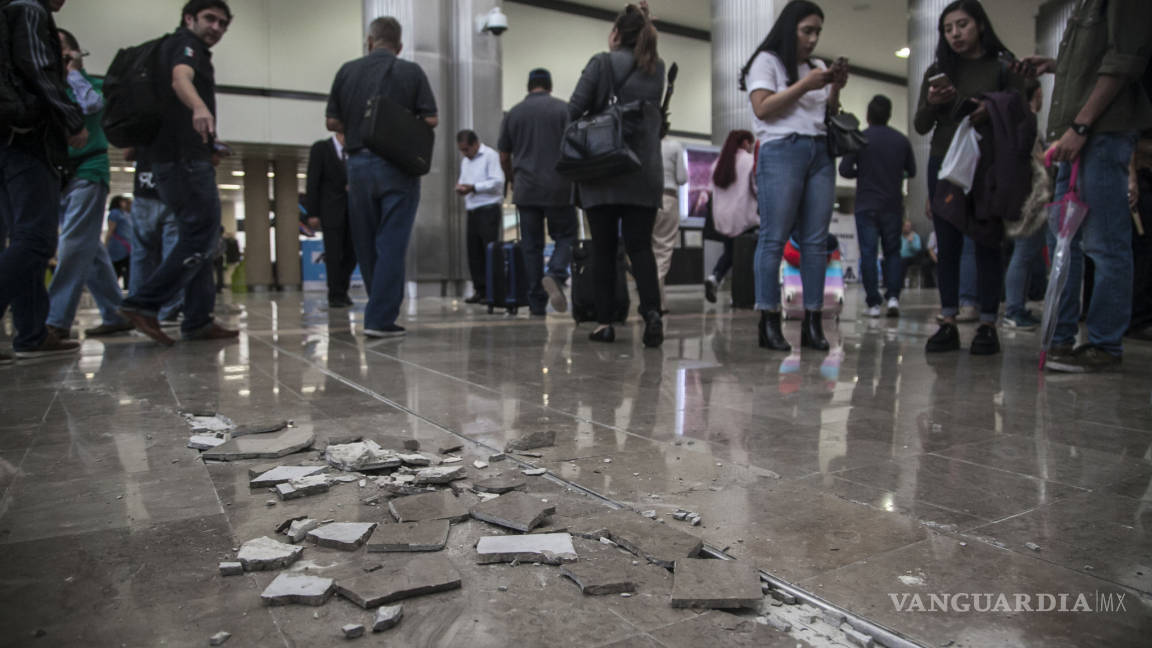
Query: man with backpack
point(37, 123)
point(186, 178)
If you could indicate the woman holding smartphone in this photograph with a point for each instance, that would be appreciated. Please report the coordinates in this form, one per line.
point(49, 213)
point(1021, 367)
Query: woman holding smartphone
point(967, 65)
point(791, 93)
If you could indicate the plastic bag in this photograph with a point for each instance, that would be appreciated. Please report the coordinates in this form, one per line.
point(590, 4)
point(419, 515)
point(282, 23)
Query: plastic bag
point(959, 166)
point(1066, 216)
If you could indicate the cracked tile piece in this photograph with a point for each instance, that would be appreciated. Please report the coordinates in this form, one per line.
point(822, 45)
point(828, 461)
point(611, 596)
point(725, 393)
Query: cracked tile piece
point(346, 536)
point(537, 439)
point(205, 441)
point(219, 638)
point(429, 535)
point(352, 630)
point(298, 529)
point(387, 617)
point(281, 474)
point(651, 540)
point(231, 569)
point(304, 589)
point(262, 446)
point(264, 553)
point(439, 505)
point(548, 548)
point(704, 583)
point(515, 510)
point(259, 427)
point(363, 455)
point(415, 459)
point(303, 487)
point(500, 484)
point(440, 474)
point(423, 574)
point(598, 578)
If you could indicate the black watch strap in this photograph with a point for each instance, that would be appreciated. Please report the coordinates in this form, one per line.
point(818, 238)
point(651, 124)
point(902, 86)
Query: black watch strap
point(1081, 129)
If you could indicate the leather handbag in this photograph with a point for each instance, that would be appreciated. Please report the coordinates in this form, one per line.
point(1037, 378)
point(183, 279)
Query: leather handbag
point(596, 145)
point(395, 134)
point(844, 134)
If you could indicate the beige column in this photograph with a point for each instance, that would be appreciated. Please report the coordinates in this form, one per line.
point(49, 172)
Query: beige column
point(257, 251)
point(286, 189)
point(228, 215)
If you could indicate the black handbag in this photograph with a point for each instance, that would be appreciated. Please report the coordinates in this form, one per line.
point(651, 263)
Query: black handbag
point(395, 134)
point(596, 145)
point(844, 134)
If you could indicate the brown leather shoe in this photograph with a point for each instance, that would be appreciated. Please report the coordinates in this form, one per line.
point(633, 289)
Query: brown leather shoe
point(148, 326)
point(50, 346)
point(60, 333)
point(212, 332)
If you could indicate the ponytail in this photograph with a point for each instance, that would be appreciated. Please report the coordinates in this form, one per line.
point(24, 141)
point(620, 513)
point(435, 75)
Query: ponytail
point(636, 30)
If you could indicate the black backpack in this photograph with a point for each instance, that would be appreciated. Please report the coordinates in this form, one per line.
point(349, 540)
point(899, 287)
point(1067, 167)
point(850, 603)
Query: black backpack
point(15, 102)
point(133, 101)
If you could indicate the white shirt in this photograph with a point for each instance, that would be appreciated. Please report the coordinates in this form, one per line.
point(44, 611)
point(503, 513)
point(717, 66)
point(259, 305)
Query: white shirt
point(675, 173)
point(483, 172)
point(805, 117)
point(339, 149)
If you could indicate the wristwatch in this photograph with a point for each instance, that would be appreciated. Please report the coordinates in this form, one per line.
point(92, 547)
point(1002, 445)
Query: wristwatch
point(1081, 129)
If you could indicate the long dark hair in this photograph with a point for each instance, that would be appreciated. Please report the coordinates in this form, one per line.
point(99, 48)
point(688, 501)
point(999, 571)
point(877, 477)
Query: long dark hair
point(781, 41)
point(637, 33)
point(946, 59)
point(725, 173)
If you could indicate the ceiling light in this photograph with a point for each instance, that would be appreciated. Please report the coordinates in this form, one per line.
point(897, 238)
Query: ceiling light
point(903, 53)
point(230, 187)
point(238, 174)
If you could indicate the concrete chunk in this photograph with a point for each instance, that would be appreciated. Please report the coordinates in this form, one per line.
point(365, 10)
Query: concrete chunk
point(515, 510)
point(282, 474)
point(231, 569)
point(298, 529)
point(855, 637)
point(387, 616)
point(439, 505)
point(362, 455)
point(715, 584)
point(429, 535)
point(596, 579)
point(535, 472)
point(304, 589)
point(655, 542)
point(531, 441)
point(422, 574)
point(415, 459)
point(219, 638)
point(205, 441)
point(303, 487)
point(549, 548)
point(262, 446)
point(352, 630)
point(260, 427)
point(450, 447)
point(500, 484)
point(264, 553)
point(346, 536)
point(440, 474)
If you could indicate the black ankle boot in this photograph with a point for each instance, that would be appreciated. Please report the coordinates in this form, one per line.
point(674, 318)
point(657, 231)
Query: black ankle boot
point(771, 336)
point(606, 334)
point(812, 331)
point(653, 329)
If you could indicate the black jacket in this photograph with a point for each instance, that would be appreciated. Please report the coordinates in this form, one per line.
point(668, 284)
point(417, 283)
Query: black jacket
point(327, 197)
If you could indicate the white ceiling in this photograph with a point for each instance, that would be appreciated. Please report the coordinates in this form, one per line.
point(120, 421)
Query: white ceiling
point(867, 31)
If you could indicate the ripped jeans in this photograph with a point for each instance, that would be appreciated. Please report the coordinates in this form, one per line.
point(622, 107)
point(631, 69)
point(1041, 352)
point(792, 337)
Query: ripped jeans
point(189, 189)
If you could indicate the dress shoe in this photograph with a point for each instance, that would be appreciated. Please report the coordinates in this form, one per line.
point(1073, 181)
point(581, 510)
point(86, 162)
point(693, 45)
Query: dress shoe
point(812, 331)
point(340, 301)
point(653, 329)
point(771, 337)
point(49, 346)
point(147, 325)
point(108, 329)
point(946, 338)
point(211, 332)
point(603, 334)
point(60, 333)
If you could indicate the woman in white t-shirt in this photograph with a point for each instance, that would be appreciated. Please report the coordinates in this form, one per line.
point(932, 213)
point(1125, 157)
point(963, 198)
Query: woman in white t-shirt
point(790, 94)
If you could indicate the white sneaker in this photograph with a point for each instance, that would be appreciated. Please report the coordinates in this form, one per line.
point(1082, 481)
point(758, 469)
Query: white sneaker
point(872, 311)
point(893, 307)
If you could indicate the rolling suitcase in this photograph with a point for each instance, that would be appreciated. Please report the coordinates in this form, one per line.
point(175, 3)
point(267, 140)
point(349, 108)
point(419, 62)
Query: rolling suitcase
point(792, 290)
point(744, 270)
point(506, 274)
point(584, 286)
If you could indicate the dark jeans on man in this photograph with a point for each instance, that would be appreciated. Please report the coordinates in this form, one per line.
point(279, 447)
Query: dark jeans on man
point(189, 189)
point(870, 226)
point(29, 204)
point(562, 227)
point(608, 222)
point(339, 258)
point(483, 228)
point(382, 203)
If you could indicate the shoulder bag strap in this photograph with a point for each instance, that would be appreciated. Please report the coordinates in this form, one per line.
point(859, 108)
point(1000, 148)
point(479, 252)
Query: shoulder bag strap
point(384, 77)
point(613, 87)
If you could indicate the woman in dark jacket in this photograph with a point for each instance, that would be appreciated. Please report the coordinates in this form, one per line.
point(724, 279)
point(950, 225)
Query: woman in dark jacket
point(967, 57)
point(626, 203)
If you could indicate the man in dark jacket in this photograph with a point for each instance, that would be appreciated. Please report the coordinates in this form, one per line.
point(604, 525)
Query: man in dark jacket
point(38, 124)
point(327, 201)
point(1098, 108)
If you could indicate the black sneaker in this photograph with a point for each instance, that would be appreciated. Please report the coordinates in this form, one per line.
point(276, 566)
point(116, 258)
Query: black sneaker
point(390, 331)
point(50, 346)
point(710, 290)
point(946, 338)
point(476, 298)
point(986, 341)
point(340, 301)
point(1085, 359)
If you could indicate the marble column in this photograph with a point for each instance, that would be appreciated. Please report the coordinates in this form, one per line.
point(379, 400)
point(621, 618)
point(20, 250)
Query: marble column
point(738, 27)
point(286, 190)
point(257, 248)
point(923, 34)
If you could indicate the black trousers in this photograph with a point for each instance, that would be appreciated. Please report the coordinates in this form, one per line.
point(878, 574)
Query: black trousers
point(339, 258)
point(608, 223)
point(483, 228)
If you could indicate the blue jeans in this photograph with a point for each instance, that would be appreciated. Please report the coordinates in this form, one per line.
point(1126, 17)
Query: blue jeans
point(82, 260)
point(1018, 278)
point(969, 276)
point(29, 200)
point(1106, 237)
point(871, 225)
point(189, 188)
point(561, 221)
point(154, 234)
point(796, 180)
point(382, 202)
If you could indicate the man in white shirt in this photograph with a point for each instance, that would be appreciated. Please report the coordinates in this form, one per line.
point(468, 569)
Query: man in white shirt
point(482, 185)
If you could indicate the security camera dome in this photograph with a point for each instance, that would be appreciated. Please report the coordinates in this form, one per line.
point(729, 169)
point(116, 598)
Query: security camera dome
point(496, 22)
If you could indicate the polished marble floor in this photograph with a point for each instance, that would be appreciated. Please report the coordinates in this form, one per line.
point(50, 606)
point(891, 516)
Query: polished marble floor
point(858, 475)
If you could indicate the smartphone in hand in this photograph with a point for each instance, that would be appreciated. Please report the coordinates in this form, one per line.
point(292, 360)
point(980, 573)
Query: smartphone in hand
point(939, 81)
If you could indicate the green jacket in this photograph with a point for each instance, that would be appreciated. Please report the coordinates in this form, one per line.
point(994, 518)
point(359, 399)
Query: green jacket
point(1104, 37)
point(91, 162)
